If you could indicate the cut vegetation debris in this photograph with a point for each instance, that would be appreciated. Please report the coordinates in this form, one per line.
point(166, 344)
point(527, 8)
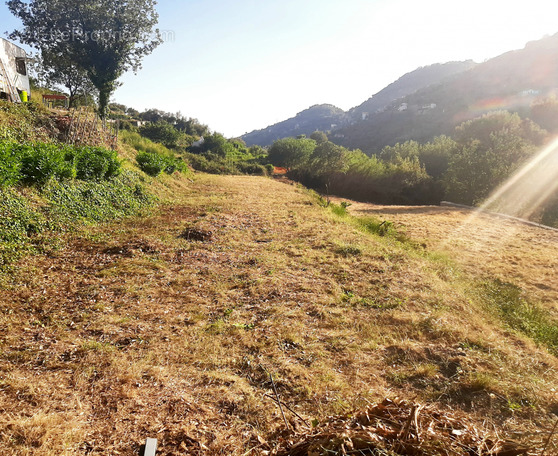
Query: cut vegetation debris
point(395, 428)
point(128, 330)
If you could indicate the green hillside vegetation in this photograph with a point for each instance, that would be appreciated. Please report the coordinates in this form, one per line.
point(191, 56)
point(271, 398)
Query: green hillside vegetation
point(446, 168)
point(165, 142)
point(407, 84)
point(49, 187)
point(432, 101)
point(330, 118)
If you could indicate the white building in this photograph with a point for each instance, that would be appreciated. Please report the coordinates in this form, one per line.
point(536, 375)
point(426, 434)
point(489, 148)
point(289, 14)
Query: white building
point(13, 70)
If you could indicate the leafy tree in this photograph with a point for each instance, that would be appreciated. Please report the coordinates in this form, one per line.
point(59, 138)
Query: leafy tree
point(217, 144)
point(291, 152)
point(192, 127)
point(161, 132)
point(154, 115)
point(407, 149)
point(189, 126)
point(489, 127)
point(55, 71)
point(133, 113)
point(545, 113)
point(490, 149)
point(257, 151)
point(435, 155)
point(328, 158)
point(103, 38)
point(319, 136)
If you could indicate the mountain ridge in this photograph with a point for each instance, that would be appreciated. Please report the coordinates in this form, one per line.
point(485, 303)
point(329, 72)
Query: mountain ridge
point(432, 100)
point(304, 123)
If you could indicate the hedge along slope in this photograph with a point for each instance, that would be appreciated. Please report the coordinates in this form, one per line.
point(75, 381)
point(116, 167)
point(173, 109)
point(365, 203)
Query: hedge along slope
point(37, 163)
point(46, 186)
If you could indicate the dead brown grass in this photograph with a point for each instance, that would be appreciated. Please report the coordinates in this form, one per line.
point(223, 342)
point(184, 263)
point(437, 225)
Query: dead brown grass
point(134, 331)
point(481, 243)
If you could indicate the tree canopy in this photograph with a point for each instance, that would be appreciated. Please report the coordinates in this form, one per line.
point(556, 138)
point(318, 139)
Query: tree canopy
point(489, 149)
point(291, 152)
point(103, 38)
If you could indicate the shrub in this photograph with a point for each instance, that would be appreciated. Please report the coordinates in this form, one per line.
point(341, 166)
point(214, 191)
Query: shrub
point(142, 144)
point(95, 163)
point(9, 165)
point(211, 163)
point(252, 168)
point(41, 162)
point(150, 163)
point(18, 222)
point(96, 200)
point(154, 164)
point(161, 132)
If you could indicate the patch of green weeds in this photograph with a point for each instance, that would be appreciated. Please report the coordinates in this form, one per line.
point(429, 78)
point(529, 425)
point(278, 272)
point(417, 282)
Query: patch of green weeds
point(20, 223)
point(381, 304)
point(348, 250)
point(96, 201)
point(508, 302)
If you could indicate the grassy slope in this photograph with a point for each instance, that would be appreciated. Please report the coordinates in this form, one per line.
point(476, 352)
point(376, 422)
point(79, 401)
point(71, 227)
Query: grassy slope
point(482, 244)
point(131, 331)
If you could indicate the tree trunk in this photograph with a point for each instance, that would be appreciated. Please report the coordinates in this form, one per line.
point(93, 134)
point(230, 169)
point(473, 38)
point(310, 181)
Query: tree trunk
point(104, 97)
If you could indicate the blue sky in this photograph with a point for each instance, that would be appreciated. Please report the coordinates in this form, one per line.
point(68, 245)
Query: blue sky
point(243, 65)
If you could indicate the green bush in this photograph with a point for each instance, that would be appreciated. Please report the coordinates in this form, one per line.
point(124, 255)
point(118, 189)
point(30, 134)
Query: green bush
point(252, 168)
point(9, 165)
point(96, 200)
point(212, 164)
point(41, 162)
point(142, 144)
point(152, 163)
point(63, 204)
point(19, 222)
point(161, 132)
point(38, 163)
point(95, 163)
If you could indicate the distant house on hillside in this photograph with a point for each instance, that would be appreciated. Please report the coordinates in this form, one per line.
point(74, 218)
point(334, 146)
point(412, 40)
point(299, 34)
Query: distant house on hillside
point(199, 142)
point(13, 71)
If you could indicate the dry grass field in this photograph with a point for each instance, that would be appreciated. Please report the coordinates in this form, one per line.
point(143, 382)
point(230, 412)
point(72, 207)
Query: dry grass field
point(170, 326)
point(483, 244)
